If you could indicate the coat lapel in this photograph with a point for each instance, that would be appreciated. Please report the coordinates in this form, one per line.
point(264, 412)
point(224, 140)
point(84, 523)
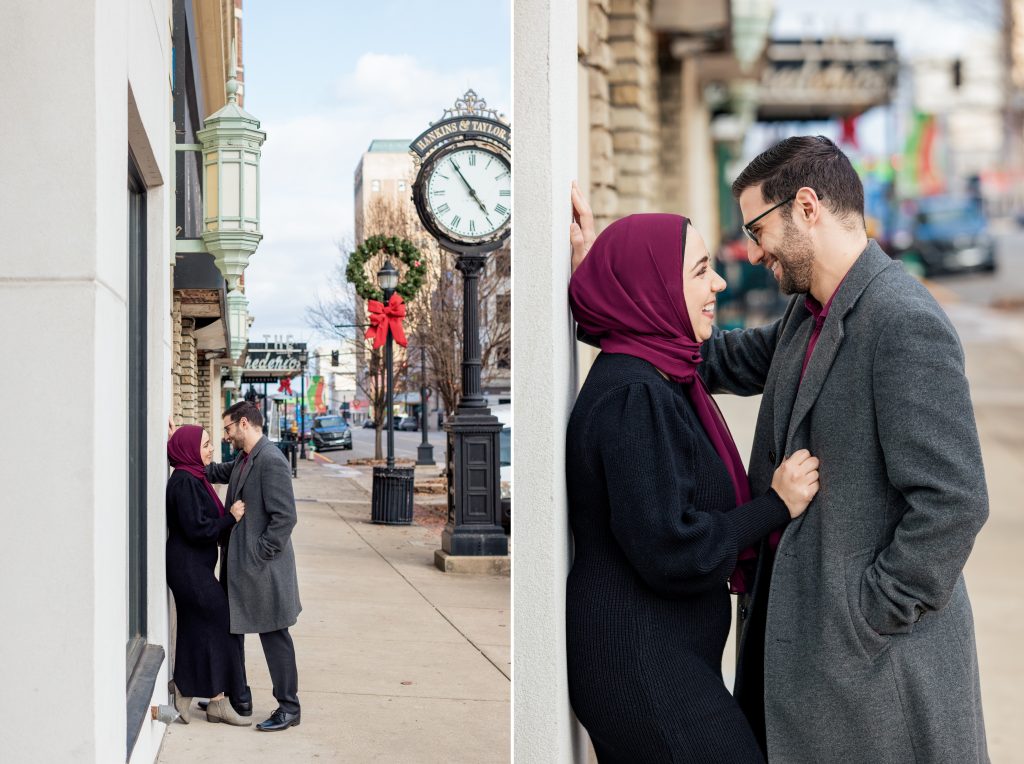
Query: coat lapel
point(871, 262)
point(247, 470)
point(236, 472)
point(788, 381)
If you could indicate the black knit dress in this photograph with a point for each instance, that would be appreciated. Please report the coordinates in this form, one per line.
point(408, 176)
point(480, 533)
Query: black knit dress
point(656, 534)
point(207, 659)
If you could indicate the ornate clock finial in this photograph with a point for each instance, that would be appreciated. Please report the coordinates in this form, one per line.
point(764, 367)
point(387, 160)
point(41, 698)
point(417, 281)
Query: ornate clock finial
point(472, 105)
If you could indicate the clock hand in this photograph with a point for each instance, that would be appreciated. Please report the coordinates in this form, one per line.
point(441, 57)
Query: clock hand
point(471, 191)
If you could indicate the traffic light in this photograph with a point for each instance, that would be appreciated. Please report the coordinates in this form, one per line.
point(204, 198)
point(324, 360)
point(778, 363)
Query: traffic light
point(334, 358)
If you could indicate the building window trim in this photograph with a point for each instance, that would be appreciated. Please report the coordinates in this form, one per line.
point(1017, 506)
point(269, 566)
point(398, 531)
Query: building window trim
point(143, 660)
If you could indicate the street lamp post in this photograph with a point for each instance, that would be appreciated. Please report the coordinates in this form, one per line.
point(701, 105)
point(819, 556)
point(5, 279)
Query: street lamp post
point(425, 452)
point(392, 486)
point(388, 279)
point(302, 415)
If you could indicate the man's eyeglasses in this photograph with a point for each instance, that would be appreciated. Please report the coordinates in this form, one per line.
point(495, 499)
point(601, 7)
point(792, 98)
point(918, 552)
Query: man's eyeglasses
point(229, 425)
point(748, 229)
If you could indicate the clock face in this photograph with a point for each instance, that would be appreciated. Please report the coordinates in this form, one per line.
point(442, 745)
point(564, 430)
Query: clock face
point(469, 193)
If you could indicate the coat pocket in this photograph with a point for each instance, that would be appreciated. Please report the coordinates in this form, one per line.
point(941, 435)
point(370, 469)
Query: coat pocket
point(872, 644)
point(254, 553)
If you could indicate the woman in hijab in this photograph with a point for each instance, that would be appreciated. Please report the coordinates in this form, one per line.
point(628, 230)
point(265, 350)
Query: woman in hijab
point(659, 506)
point(207, 660)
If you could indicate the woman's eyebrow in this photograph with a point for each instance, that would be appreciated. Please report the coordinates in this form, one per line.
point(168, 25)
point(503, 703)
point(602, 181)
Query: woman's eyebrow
point(699, 263)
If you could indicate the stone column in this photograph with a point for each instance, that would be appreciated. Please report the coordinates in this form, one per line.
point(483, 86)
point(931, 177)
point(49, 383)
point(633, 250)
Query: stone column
point(547, 108)
point(634, 107)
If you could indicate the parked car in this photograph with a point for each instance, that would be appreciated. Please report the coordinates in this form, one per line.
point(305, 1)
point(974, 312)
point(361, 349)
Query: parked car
point(944, 234)
point(410, 423)
point(331, 432)
point(369, 425)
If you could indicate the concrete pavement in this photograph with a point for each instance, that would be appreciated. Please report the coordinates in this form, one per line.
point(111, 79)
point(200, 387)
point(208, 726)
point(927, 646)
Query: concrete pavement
point(398, 662)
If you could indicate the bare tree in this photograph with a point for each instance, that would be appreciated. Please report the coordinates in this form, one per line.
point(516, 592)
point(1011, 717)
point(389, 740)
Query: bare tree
point(434, 316)
point(439, 323)
point(337, 316)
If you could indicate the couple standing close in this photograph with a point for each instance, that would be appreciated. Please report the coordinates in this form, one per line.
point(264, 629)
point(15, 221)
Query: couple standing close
point(855, 633)
point(258, 589)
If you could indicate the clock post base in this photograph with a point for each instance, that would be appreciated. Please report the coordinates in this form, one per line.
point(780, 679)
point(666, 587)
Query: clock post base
point(474, 486)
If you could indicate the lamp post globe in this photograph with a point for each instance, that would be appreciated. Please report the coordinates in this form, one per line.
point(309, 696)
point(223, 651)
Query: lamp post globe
point(387, 279)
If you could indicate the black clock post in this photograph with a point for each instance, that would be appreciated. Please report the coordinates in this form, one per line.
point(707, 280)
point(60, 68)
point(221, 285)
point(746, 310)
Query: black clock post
point(474, 475)
point(474, 526)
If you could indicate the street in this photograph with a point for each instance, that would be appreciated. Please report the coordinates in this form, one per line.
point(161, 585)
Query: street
point(406, 444)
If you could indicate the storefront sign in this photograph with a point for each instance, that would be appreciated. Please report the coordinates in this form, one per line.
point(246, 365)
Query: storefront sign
point(283, 359)
point(826, 78)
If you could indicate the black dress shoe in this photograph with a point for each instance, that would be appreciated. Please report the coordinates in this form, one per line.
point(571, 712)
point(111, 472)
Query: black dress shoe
point(280, 720)
point(241, 708)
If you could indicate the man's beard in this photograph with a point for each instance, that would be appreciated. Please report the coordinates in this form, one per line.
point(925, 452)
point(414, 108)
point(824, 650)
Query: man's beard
point(796, 256)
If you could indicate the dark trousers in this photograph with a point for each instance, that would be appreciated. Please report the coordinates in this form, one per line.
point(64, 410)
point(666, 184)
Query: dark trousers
point(284, 674)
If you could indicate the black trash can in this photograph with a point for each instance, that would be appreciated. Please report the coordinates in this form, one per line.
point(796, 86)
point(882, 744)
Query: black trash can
point(392, 495)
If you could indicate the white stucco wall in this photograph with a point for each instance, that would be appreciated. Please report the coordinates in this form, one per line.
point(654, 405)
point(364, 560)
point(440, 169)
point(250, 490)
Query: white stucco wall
point(63, 303)
point(546, 115)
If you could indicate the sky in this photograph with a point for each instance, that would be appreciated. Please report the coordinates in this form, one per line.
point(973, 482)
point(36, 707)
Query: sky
point(324, 79)
point(921, 27)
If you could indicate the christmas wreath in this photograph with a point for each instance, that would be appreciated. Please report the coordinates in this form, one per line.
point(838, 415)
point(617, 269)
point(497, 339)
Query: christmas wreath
point(392, 246)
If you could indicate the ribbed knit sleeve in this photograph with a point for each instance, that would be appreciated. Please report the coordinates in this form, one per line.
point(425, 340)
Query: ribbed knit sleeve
point(649, 453)
point(192, 510)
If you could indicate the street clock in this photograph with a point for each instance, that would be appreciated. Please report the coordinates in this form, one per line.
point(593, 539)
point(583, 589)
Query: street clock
point(463, 190)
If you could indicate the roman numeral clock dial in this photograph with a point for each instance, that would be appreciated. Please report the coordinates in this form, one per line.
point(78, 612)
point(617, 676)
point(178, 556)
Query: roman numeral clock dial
point(468, 194)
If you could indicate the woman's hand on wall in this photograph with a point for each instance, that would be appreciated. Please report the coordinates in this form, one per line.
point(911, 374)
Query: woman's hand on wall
point(581, 230)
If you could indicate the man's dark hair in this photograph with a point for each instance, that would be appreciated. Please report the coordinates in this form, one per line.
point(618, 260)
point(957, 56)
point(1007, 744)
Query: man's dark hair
point(807, 160)
point(247, 410)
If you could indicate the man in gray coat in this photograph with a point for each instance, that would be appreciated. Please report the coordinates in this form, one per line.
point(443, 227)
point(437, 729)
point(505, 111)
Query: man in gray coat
point(258, 563)
point(857, 642)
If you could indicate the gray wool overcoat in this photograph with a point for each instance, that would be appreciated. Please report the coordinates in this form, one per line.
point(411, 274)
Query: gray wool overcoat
point(263, 589)
point(869, 652)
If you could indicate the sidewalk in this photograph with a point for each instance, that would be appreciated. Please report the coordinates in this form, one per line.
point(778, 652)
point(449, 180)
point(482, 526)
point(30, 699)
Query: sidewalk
point(397, 660)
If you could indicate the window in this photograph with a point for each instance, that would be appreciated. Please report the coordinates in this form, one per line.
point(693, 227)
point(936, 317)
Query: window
point(401, 185)
point(136, 416)
point(375, 185)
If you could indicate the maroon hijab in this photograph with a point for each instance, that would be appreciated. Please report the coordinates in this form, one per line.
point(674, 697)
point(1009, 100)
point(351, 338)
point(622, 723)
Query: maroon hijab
point(628, 293)
point(183, 452)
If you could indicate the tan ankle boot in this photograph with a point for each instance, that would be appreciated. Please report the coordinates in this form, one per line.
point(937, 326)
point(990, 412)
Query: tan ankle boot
point(221, 711)
point(182, 704)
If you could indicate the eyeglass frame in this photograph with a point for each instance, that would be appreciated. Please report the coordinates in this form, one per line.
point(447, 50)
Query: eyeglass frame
point(749, 233)
point(229, 425)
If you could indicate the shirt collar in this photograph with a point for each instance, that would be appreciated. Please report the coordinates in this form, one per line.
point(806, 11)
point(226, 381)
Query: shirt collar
point(820, 312)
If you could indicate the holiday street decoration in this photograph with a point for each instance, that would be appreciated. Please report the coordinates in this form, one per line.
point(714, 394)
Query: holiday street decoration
point(383, 317)
point(285, 386)
point(390, 246)
point(315, 395)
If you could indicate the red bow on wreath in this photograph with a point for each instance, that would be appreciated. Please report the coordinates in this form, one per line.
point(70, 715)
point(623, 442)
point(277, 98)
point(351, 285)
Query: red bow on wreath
point(285, 386)
point(387, 316)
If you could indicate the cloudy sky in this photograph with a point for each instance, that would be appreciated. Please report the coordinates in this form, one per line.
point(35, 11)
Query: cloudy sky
point(921, 27)
point(327, 77)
